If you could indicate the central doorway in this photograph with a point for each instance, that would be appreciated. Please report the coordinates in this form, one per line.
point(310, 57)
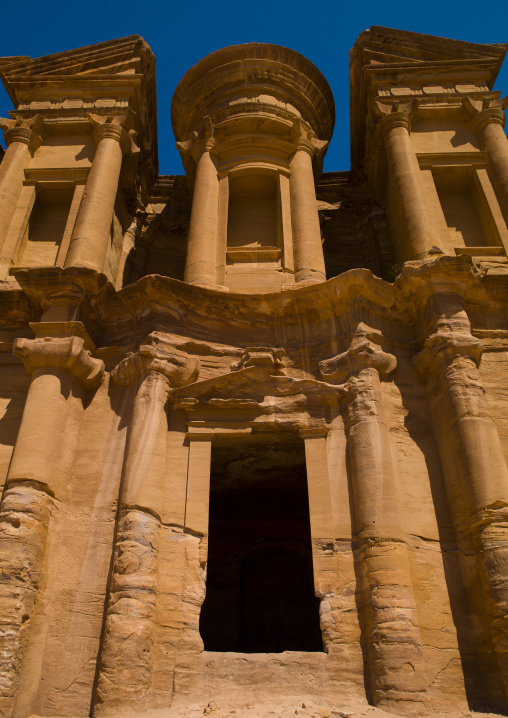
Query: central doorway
point(260, 586)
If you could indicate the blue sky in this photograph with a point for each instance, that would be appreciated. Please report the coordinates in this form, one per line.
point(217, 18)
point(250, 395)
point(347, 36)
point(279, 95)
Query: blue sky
point(181, 33)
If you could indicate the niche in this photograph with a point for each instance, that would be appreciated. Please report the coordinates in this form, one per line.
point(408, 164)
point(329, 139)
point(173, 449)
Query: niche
point(260, 586)
point(46, 227)
point(253, 212)
point(462, 207)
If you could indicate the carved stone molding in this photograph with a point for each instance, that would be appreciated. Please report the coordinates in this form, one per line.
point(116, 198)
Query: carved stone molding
point(362, 354)
point(157, 356)
point(67, 353)
point(27, 131)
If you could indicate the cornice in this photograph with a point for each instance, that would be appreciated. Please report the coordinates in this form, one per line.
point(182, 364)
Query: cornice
point(124, 318)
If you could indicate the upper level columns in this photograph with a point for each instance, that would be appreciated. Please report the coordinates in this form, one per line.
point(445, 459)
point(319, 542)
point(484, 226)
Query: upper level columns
point(201, 261)
point(404, 171)
point(91, 235)
point(489, 125)
point(307, 246)
point(392, 631)
point(22, 138)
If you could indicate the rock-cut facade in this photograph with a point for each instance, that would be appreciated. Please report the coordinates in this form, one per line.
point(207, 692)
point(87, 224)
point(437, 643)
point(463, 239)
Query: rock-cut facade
point(253, 418)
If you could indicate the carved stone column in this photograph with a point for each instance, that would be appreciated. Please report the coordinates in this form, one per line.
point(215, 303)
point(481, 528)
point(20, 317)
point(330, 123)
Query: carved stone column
point(398, 676)
point(22, 138)
point(393, 130)
point(474, 467)
point(62, 371)
point(201, 261)
point(489, 124)
point(126, 668)
point(91, 235)
point(307, 246)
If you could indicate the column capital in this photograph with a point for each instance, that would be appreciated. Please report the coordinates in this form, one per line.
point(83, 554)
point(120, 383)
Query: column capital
point(157, 356)
point(117, 127)
point(304, 138)
point(200, 141)
point(485, 112)
point(394, 114)
point(440, 348)
point(25, 130)
point(363, 353)
point(60, 353)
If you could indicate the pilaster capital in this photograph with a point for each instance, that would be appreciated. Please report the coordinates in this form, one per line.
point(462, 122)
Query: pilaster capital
point(25, 130)
point(314, 432)
point(363, 353)
point(157, 357)
point(60, 353)
point(117, 127)
point(485, 112)
point(440, 348)
point(387, 116)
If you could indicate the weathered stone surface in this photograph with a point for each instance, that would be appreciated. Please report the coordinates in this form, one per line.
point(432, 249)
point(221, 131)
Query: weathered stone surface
point(255, 491)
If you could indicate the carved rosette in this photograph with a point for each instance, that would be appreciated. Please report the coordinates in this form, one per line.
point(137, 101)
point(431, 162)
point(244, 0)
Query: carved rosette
point(40, 355)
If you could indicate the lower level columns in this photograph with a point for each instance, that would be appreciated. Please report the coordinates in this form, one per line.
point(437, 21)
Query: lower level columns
point(477, 486)
point(39, 478)
point(398, 678)
point(126, 675)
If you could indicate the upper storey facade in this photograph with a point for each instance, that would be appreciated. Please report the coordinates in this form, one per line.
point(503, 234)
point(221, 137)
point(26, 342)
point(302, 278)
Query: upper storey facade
point(79, 182)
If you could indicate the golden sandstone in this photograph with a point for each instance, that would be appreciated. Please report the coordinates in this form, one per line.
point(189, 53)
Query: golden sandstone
point(253, 431)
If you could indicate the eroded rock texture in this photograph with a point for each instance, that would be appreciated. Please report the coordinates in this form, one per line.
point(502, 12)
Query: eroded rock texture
point(253, 434)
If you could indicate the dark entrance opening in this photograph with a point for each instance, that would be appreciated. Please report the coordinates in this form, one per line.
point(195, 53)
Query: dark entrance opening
point(260, 586)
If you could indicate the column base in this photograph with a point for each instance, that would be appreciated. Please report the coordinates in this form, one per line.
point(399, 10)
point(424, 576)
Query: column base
point(306, 276)
point(206, 285)
point(307, 282)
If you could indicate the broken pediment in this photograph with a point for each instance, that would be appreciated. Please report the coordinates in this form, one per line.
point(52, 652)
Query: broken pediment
point(108, 77)
point(410, 64)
